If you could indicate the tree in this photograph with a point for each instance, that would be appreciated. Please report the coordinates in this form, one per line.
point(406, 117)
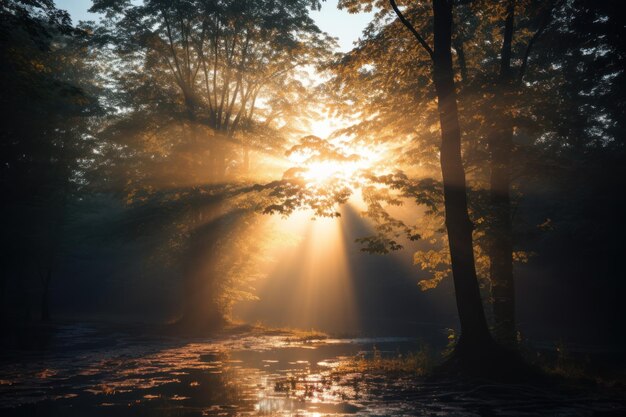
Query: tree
point(475, 337)
point(503, 87)
point(476, 347)
point(514, 80)
point(47, 102)
point(233, 64)
point(197, 87)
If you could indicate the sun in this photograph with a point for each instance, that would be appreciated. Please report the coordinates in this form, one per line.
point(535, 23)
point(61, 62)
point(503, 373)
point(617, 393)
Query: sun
point(328, 162)
point(319, 172)
point(336, 161)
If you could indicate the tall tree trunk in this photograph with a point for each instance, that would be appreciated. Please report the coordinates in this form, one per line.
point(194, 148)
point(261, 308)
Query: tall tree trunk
point(23, 303)
point(219, 161)
point(3, 283)
point(474, 331)
point(45, 296)
point(500, 239)
point(201, 312)
point(476, 352)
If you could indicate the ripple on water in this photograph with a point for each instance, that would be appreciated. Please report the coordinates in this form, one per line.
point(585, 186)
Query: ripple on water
point(252, 375)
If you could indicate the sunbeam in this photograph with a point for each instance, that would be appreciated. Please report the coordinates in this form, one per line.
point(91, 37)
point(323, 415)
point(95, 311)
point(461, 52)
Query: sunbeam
point(312, 207)
point(309, 281)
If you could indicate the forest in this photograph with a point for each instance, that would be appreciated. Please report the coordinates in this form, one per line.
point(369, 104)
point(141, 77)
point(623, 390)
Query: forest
point(231, 207)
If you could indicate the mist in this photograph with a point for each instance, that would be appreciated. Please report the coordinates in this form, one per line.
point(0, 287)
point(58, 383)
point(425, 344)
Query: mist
point(263, 207)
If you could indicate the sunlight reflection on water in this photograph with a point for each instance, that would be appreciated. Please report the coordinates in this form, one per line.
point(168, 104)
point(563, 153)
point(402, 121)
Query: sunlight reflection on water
point(251, 375)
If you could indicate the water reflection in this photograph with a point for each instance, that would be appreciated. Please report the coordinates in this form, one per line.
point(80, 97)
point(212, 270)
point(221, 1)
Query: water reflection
point(248, 375)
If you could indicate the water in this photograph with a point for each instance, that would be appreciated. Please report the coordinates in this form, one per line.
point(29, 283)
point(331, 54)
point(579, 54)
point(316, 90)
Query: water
point(88, 372)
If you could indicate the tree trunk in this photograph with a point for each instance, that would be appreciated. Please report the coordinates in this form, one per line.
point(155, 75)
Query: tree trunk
point(23, 304)
point(218, 159)
point(476, 352)
point(500, 230)
point(501, 241)
point(45, 296)
point(201, 312)
point(474, 331)
point(3, 283)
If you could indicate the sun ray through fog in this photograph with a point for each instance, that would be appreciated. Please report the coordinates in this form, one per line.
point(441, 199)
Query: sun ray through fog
point(308, 281)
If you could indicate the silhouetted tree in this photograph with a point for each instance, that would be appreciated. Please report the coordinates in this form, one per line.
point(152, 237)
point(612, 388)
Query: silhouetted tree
point(47, 100)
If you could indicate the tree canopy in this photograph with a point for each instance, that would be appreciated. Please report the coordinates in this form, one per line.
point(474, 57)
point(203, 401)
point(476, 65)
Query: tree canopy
point(481, 135)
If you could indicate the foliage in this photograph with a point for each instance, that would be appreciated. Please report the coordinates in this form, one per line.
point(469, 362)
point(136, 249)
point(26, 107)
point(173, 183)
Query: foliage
point(197, 89)
point(224, 78)
point(384, 84)
point(178, 109)
point(47, 100)
point(413, 363)
point(296, 191)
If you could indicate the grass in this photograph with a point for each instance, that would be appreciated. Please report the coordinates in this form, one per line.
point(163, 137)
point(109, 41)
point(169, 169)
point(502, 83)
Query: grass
point(415, 363)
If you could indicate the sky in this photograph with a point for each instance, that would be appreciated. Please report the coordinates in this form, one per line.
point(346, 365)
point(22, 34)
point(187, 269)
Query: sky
point(338, 23)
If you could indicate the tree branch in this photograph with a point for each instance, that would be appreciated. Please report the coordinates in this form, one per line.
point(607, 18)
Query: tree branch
point(171, 45)
point(409, 26)
point(507, 40)
point(545, 21)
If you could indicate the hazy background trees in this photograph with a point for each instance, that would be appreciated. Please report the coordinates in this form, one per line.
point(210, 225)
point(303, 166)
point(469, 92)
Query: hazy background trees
point(132, 146)
point(48, 100)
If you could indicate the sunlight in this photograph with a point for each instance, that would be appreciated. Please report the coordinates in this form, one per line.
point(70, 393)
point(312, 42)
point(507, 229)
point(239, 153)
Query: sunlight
point(311, 208)
point(308, 282)
point(341, 160)
point(325, 127)
point(323, 171)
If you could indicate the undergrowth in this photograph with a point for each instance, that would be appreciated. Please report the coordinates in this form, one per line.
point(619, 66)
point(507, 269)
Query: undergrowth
point(417, 363)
